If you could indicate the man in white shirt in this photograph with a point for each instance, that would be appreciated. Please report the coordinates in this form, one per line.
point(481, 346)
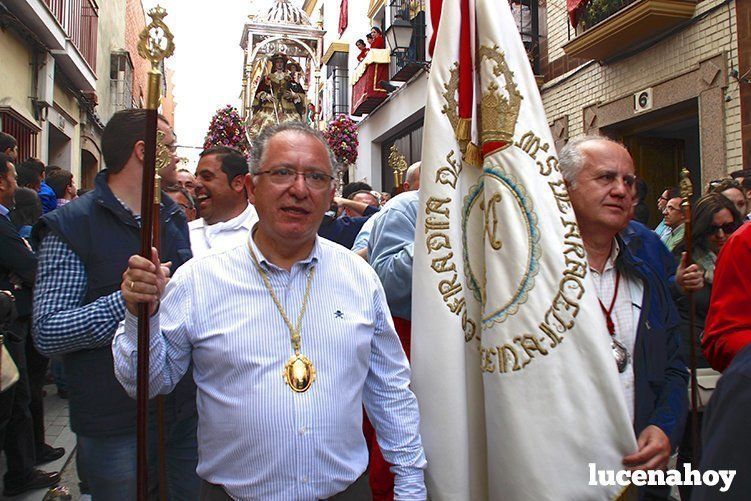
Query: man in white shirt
point(226, 215)
point(289, 336)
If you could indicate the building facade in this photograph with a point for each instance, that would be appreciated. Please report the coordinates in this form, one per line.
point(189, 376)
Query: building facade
point(669, 78)
point(386, 92)
point(67, 66)
point(660, 75)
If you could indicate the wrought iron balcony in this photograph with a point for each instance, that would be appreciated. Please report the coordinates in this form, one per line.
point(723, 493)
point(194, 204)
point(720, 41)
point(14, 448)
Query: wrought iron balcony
point(526, 18)
point(405, 64)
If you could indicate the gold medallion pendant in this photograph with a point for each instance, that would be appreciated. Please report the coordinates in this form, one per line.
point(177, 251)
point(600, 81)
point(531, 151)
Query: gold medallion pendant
point(299, 373)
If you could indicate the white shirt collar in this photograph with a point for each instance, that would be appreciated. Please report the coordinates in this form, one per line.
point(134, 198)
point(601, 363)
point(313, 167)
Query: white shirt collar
point(615, 249)
point(242, 220)
point(312, 258)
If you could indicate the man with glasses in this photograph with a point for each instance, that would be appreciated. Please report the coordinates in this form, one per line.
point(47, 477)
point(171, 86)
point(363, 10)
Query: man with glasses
point(289, 336)
point(183, 199)
point(662, 229)
point(674, 218)
point(226, 215)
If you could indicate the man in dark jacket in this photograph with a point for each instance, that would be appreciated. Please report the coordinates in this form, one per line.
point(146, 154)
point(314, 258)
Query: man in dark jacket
point(725, 439)
point(31, 174)
point(85, 246)
point(17, 270)
point(647, 246)
point(640, 314)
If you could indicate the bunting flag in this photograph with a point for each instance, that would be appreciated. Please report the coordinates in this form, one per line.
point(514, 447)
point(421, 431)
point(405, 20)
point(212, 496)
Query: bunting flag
point(511, 363)
point(343, 16)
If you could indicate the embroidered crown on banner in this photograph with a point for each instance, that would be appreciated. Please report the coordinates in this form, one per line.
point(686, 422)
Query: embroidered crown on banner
point(498, 112)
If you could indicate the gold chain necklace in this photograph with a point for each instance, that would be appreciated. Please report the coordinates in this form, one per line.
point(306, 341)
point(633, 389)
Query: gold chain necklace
point(299, 372)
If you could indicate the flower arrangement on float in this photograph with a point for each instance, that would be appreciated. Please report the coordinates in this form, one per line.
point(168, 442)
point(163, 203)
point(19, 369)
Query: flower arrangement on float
point(341, 134)
point(227, 129)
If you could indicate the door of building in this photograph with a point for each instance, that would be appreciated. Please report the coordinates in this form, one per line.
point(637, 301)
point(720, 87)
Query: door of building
point(89, 168)
point(662, 142)
point(658, 161)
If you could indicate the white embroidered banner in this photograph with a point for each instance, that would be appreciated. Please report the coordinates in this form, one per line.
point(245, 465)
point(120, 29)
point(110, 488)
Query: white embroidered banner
point(511, 362)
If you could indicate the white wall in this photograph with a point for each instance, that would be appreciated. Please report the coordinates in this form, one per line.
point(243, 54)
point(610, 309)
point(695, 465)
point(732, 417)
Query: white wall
point(111, 37)
point(387, 120)
point(358, 26)
point(402, 105)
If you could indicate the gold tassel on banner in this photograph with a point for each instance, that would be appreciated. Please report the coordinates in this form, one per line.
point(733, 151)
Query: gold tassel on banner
point(464, 129)
point(473, 156)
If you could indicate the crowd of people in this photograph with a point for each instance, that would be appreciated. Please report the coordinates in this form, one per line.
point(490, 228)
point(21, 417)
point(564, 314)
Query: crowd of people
point(280, 310)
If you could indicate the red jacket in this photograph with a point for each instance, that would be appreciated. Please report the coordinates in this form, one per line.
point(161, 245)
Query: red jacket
point(378, 42)
point(728, 326)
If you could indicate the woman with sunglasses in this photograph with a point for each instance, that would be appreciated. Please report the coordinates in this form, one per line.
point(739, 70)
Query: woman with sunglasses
point(713, 220)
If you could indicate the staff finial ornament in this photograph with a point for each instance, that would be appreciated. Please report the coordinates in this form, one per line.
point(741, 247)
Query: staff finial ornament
point(398, 164)
point(686, 187)
point(155, 43)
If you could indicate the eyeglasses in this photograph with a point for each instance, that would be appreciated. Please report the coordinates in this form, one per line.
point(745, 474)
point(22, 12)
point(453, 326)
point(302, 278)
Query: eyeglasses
point(662, 199)
point(727, 228)
point(670, 207)
point(315, 180)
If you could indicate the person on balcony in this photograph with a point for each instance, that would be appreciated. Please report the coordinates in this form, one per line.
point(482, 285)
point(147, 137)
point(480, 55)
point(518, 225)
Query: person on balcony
point(360, 44)
point(378, 42)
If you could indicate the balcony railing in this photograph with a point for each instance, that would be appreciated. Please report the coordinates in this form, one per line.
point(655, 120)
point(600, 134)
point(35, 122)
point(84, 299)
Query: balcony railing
point(606, 28)
point(59, 9)
point(599, 10)
point(367, 89)
point(80, 21)
point(405, 64)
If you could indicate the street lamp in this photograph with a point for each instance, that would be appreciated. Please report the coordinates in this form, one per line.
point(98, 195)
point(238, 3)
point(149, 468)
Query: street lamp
point(399, 34)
